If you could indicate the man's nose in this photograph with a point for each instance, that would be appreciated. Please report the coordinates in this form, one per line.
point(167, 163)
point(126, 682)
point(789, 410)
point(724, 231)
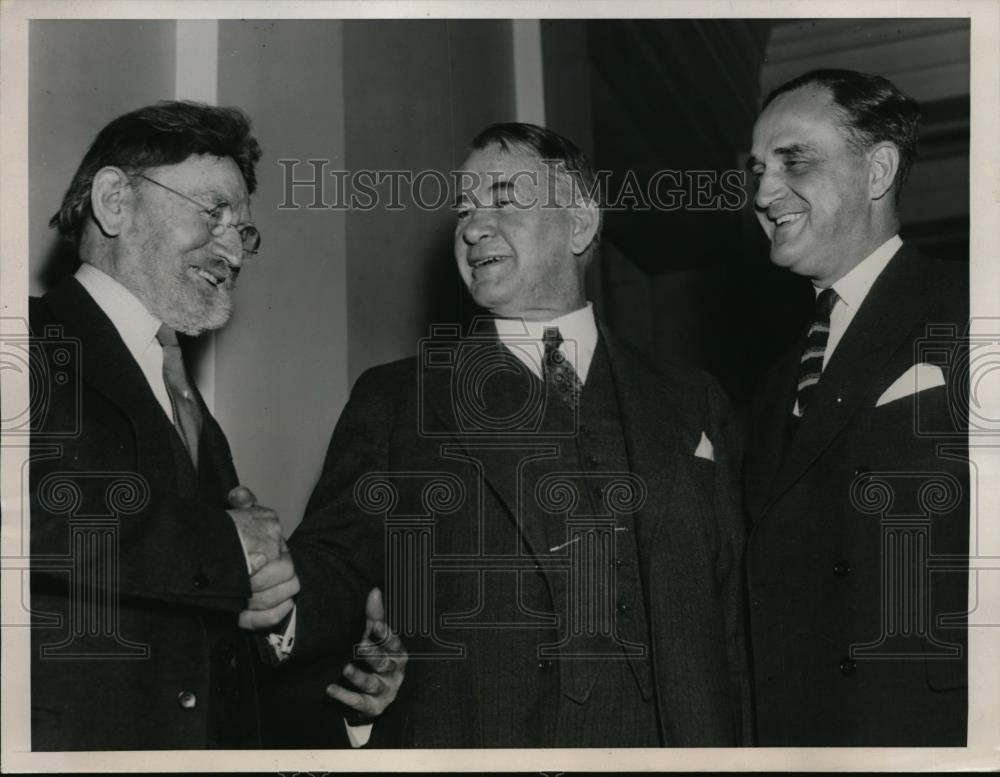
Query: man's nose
point(479, 224)
point(229, 246)
point(769, 189)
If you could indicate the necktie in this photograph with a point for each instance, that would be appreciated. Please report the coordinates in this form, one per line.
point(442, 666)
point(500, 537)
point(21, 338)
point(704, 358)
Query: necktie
point(811, 364)
point(187, 414)
point(560, 377)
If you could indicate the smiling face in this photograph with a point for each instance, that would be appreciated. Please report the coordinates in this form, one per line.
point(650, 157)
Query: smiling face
point(167, 256)
point(813, 198)
point(517, 258)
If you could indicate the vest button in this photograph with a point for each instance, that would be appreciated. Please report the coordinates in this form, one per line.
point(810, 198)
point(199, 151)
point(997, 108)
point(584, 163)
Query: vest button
point(847, 667)
point(623, 607)
point(592, 461)
point(618, 563)
point(841, 569)
point(546, 665)
point(187, 700)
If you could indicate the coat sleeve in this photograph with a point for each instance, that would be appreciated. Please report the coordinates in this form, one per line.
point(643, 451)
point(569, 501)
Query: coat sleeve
point(338, 548)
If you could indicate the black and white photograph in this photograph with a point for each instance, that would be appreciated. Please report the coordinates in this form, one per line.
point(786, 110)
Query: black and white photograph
point(508, 386)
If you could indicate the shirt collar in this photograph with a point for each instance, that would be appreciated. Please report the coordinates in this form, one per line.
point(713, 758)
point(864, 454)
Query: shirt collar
point(578, 329)
point(854, 287)
point(135, 324)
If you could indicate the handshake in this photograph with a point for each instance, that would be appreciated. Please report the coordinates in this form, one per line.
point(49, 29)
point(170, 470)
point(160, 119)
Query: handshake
point(273, 586)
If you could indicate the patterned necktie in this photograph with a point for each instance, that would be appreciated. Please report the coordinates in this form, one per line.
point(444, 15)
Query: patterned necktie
point(811, 364)
point(187, 414)
point(560, 377)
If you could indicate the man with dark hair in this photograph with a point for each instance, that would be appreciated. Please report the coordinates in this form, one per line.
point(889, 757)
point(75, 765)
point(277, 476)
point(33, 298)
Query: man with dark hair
point(150, 568)
point(561, 523)
point(856, 477)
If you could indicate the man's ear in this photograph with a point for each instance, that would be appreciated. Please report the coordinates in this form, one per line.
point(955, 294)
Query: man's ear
point(586, 219)
point(882, 169)
point(109, 199)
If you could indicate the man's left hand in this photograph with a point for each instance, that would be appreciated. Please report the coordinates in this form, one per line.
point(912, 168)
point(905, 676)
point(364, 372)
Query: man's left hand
point(384, 654)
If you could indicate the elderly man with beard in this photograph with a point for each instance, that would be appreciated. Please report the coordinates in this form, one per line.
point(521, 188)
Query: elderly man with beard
point(150, 568)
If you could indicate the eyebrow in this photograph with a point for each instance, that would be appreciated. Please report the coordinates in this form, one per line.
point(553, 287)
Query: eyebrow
point(793, 149)
point(498, 187)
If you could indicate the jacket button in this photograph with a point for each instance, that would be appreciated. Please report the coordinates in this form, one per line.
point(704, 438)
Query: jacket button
point(201, 580)
point(847, 667)
point(618, 563)
point(841, 569)
point(861, 470)
point(623, 607)
point(546, 665)
point(187, 700)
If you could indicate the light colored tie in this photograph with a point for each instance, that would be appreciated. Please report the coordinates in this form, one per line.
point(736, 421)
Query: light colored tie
point(187, 413)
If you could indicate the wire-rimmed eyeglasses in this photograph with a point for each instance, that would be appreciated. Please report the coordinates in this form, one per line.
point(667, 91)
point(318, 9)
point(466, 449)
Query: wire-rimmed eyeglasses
point(220, 218)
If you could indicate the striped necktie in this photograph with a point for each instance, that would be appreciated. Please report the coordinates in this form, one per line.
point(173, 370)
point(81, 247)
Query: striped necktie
point(187, 414)
point(560, 377)
point(811, 364)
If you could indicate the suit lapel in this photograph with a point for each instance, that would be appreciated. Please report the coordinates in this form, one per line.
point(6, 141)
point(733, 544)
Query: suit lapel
point(502, 456)
point(651, 431)
point(109, 368)
point(216, 473)
point(890, 311)
point(772, 417)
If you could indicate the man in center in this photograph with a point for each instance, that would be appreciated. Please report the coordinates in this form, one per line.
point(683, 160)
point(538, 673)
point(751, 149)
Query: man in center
point(561, 523)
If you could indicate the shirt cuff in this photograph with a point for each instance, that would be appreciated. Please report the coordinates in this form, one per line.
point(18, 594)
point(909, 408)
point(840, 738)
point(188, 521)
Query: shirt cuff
point(358, 735)
point(283, 643)
point(246, 556)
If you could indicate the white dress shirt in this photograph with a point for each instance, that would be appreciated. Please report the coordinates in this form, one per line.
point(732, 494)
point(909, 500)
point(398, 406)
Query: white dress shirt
point(853, 288)
point(136, 326)
point(578, 330)
point(851, 292)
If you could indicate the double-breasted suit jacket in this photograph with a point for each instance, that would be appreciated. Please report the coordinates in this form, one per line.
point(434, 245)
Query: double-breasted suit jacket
point(858, 550)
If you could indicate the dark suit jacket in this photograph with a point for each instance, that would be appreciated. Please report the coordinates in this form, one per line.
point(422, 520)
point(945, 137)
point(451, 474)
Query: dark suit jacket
point(137, 570)
point(401, 422)
point(863, 496)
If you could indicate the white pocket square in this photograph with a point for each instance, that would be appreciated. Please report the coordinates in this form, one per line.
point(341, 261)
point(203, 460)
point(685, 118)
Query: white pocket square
point(705, 449)
point(919, 377)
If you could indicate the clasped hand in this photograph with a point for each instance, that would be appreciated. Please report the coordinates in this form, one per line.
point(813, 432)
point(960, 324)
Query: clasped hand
point(273, 581)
